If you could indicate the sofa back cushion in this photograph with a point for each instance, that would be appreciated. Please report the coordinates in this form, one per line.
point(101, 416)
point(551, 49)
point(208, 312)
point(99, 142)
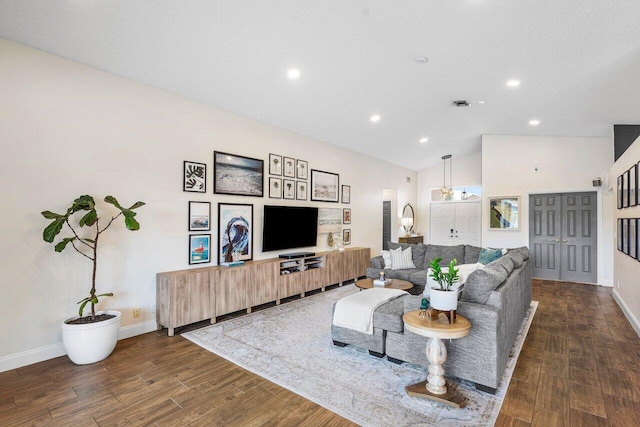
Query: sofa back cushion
point(401, 259)
point(503, 263)
point(471, 254)
point(522, 250)
point(481, 283)
point(417, 253)
point(447, 253)
point(516, 257)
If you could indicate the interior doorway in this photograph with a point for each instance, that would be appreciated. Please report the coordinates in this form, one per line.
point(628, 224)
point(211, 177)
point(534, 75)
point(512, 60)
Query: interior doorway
point(563, 236)
point(386, 224)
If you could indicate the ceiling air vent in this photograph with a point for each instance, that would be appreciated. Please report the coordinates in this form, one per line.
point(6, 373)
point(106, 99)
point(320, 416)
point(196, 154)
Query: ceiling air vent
point(461, 103)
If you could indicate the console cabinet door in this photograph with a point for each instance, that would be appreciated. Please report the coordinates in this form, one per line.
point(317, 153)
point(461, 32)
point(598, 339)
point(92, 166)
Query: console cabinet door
point(262, 286)
point(230, 289)
point(335, 267)
point(291, 284)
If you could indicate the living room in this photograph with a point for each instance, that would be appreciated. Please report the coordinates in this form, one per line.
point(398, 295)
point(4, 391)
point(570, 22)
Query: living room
point(70, 129)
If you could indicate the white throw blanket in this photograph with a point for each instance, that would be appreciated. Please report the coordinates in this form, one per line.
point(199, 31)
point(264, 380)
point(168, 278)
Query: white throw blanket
point(356, 311)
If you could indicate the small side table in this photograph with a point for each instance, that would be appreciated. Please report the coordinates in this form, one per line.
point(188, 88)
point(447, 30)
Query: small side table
point(435, 386)
point(395, 284)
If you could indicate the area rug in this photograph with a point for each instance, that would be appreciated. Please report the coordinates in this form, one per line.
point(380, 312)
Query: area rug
point(291, 345)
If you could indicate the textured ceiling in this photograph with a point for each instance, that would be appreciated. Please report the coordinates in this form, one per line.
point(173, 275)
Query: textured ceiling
point(578, 63)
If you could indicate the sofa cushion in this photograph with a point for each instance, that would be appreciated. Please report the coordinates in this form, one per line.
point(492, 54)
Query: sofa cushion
point(417, 253)
point(488, 255)
point(377, 262)
point(447, 253)
point(503, 263)
point(386, 257)
point(419, 277)
point(522, 250)
point(389, 315)
point(481, 283)
point(516, 257)
point(471, 254)
point(403, 274)
point(401, 259)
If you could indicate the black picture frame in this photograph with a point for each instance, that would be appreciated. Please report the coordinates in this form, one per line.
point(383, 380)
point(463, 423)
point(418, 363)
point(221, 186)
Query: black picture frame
point(199, 216)
point(194, 177)
point(237, 175)
point(346, 215)
point(633, 238)
point(625, 235)
point(620, 191)
point(288, 189)
point(325, 186)
point(289, 167)
point(625, 189)
point(620, 245)
point(301, 190)
point(199, 248)
point(346, 236)
point(275, 188)
point(346, 194)
point(275, 164)
point(302, 169)
point(235, 231)
point(633, 185)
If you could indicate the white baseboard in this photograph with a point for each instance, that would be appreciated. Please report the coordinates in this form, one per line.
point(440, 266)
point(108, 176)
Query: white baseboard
point(29, 357)
point(607, 282)
point(635, 324)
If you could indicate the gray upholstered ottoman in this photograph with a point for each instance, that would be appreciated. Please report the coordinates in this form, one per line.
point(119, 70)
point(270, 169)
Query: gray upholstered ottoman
point(387, 317)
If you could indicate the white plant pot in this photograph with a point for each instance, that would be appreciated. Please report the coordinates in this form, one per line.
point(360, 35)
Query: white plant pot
point(92, 342)
point(444, 300)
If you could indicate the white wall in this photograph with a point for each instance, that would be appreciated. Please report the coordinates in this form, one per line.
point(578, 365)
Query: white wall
point(67, 129)
point(626, 269)
point(467, 172)
point(565, 164)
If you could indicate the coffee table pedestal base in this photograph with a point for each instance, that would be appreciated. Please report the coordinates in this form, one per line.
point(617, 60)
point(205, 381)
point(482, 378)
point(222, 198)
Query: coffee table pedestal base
point(449, 398)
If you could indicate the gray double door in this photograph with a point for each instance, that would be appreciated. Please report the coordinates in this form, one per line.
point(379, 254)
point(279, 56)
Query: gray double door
point(563, 236)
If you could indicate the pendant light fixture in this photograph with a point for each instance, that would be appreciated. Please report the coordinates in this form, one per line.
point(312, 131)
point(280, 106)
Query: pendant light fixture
point(447, 193)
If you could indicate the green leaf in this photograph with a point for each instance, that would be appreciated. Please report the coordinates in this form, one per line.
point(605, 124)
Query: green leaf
point(51, 215)
point(83, 203)
point(112, 200)
point(82, 306)
point(63, 244)
point(94, 300)
point(52, 230)
point(110, 294)
point(89, 219)
point(83, 299)
point(89, 240)
point(136, 205)
point(131, 223)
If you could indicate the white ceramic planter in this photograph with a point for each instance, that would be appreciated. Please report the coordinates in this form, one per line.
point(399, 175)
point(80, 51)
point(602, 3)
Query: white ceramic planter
point(92, 342)
point(444, 300)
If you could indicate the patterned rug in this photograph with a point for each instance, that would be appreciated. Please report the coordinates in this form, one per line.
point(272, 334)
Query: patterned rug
point(291, 345)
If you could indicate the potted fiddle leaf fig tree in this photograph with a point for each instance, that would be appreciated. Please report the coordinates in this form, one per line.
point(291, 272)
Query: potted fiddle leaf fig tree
point(444, 297)
point(91, 338)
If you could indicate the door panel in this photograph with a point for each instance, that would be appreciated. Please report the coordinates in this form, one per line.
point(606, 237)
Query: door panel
point(386, 224)
point(442, 224)
point(544, 226)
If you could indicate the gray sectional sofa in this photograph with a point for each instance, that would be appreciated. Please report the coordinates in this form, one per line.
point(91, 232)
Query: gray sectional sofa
point(495, 299)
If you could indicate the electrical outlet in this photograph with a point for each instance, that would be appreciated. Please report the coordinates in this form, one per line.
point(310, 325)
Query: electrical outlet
point(136, 312)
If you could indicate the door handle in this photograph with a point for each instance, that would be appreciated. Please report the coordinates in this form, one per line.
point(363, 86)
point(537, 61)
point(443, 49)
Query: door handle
point(557, 240)
point(564, 241)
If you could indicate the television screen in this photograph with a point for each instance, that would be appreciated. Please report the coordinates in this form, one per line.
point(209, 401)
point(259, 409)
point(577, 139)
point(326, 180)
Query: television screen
point(288, 227)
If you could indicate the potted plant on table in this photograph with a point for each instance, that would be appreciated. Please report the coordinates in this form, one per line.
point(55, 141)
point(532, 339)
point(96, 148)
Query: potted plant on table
point(444, 298)
point(91, 338)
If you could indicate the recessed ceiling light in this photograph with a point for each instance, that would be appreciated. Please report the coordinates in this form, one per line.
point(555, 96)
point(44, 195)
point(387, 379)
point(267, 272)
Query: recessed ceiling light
point(482, 102)
point(534, 122)
point(375, 118)
point(423, 140)
point(513, 83)
point(422, 59)
point(293, 73)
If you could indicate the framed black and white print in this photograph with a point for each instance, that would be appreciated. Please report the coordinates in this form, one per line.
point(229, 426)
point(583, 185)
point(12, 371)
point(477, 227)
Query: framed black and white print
point(633, 238)
point(324, 186)
point(237, 175)
point(346, 194)
point(235, 232)
point(275, 188)
point(301, 190)
point(633, 185)
point(346, 216)
point(194, 177)
point(199, 216)
point(620, 246)
point(289, 189)
point(289, 167)
point(346, 236)
point(619, 193)
point(302, 169)
point(199, 248)
point(275, 164)
point(625, 189)
point(625, 235)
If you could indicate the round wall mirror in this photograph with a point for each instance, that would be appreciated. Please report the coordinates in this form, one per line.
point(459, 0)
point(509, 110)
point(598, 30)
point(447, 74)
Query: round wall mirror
point(407, 218)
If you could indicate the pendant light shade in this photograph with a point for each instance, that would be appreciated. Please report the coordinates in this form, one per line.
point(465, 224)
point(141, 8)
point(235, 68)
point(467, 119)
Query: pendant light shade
point(447, 193)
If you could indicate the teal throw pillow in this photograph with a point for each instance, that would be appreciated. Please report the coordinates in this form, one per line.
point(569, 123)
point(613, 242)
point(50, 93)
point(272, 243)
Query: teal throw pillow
point(488, 255)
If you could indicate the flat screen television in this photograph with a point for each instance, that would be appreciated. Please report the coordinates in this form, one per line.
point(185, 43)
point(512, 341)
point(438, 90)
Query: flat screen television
point(288, 227)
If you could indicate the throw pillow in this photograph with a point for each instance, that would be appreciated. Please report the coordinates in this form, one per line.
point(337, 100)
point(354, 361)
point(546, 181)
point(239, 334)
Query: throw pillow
point(516, 257)
point(417, 253)
point(481, 283)
point(504, 263)
point(386, 256)
point(401, 259)
point(487, 255)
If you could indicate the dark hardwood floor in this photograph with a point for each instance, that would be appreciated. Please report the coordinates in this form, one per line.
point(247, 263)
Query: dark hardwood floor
point(579, 367)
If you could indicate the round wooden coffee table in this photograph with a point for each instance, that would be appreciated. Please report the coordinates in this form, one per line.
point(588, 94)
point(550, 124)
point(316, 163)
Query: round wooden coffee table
point(435, 387)
point(395, 284)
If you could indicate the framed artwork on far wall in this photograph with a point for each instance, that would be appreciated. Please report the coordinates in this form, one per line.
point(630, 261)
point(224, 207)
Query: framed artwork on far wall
point(619, 193)
point(625, 189)
point(620, 246)
point(194, 177)
point(633, 185)
point(504, 213)
point(237, 175)
point(301, 190)
point(199, 216)
point(324, 186)
point(633, 238)
point(346, 236)
point(289, 167)
point(275, 164)
point(235, 232)
point(199, 248)
point(346, 194)
point(346, 216)
point(625, 235)
point(289, 189)
point(302, 168)
point(275, 188)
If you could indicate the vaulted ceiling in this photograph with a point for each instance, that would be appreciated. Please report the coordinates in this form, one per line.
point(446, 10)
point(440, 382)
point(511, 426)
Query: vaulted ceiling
point(577, 62)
